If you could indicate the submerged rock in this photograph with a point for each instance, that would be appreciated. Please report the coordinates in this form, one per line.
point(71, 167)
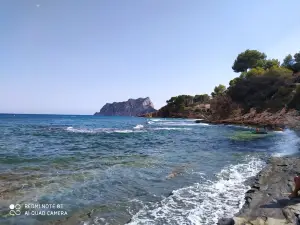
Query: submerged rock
point(132, 107)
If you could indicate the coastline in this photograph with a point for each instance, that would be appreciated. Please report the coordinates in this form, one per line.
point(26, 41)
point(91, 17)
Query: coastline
point(272, 120)
point(267, 202)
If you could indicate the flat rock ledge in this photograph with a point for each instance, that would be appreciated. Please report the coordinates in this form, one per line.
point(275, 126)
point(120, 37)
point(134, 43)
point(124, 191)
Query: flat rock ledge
point(267, 202)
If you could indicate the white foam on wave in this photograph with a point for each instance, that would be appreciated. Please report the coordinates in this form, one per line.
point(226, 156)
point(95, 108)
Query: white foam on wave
point(182, 124)
point(122, 131)
point(80, 130)
point(205, 202)
point(170, 128)
point(239, 126)
point(288, 145)
point(156, 120)
point(138, 127)
point(98, 130)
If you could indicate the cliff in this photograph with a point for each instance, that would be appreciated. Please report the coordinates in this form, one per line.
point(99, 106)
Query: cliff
point(267, 202)
point(132, 107)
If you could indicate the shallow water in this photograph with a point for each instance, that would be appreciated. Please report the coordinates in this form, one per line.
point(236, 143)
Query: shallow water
point(118, 170)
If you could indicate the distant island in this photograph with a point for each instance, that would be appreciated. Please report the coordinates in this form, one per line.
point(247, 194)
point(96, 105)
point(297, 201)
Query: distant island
point(266, 92)
point(131, 107)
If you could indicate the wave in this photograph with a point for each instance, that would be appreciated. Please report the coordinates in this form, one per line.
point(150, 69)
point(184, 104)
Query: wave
point(98, 130)
point(156, 120)
point(137, 129)
point(205, 202)
point(288, 145)
point(178, 123)
point(170, 128)
point(175, 122)
point(139, 126)
point(183, 124)
point(239, 126)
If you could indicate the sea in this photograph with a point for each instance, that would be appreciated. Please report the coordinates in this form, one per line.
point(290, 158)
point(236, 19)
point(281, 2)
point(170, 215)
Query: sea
point(93, 170)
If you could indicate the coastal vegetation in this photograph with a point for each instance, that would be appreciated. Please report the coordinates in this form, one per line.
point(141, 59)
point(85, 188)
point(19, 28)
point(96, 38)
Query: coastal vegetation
point(263, 84)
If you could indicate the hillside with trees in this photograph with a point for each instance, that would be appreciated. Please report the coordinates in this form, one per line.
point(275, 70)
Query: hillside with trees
point(262, 85)
point(185, 106)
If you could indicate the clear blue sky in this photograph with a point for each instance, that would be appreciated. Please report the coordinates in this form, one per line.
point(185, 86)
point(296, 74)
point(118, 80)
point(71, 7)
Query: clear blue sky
point(66, 56)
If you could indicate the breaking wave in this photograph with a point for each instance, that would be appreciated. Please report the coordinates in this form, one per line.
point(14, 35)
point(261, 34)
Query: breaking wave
point(97, 130)
point(170, 128)
point(288, 145)
point(138, 127)
point(205, 202)
point(159, 122)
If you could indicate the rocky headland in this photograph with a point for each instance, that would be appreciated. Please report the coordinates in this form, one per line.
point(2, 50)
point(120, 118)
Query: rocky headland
point(267, 202)
point(132, 107)
point(266, 92)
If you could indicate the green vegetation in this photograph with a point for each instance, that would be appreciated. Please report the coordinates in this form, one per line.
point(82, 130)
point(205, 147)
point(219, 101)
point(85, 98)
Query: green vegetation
point(292, 63)
point(262, 83)
point(218, 90)
point(185, 106)
point(179, 103)
point(267, 85)
point(204, 99)
point(248, 60)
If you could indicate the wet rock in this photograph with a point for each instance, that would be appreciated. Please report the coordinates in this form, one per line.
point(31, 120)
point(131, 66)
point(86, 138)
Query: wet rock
point(267, 202)
point(226, 221)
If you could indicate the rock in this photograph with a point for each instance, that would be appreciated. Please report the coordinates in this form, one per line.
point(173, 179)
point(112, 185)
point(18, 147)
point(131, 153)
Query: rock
point(132, 107)
point(267, 202)
point(226, 221)
point(202, 121)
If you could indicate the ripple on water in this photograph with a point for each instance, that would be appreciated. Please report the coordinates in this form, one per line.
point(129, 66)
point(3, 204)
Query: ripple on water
point(116, 168)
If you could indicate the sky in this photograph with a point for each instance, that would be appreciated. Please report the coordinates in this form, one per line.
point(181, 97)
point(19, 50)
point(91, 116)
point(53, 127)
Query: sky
point(72, 57)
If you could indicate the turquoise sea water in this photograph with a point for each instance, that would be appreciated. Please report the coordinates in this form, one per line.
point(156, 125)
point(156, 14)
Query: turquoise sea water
point(127, 170)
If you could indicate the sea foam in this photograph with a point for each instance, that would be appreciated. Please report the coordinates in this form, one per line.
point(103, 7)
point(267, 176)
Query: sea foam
point(205, 202)
point(139, 126)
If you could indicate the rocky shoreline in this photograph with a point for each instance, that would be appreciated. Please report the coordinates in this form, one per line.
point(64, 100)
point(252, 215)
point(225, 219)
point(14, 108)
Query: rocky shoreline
point(267, 202)
point(273, 120)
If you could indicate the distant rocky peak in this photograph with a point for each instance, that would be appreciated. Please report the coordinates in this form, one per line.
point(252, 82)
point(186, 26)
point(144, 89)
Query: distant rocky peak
point(131, 107)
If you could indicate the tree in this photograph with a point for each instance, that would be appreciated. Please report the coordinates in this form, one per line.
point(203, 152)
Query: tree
point(171, 100)
point(180, 101)
point(292, 63)
point(271, 63)
point(218, 90)
point(247, 60)
point(234, 81)
point(267, 64)
point(258, 71)
point(287, 61)
point(297, 57)
point(202, 98)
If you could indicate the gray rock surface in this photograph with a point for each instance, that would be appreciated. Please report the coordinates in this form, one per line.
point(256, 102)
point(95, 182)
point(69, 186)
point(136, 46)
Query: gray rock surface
point(267, 202)
point(132, 107)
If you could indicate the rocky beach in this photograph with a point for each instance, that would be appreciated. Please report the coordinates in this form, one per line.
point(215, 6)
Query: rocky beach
point(267, 202)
